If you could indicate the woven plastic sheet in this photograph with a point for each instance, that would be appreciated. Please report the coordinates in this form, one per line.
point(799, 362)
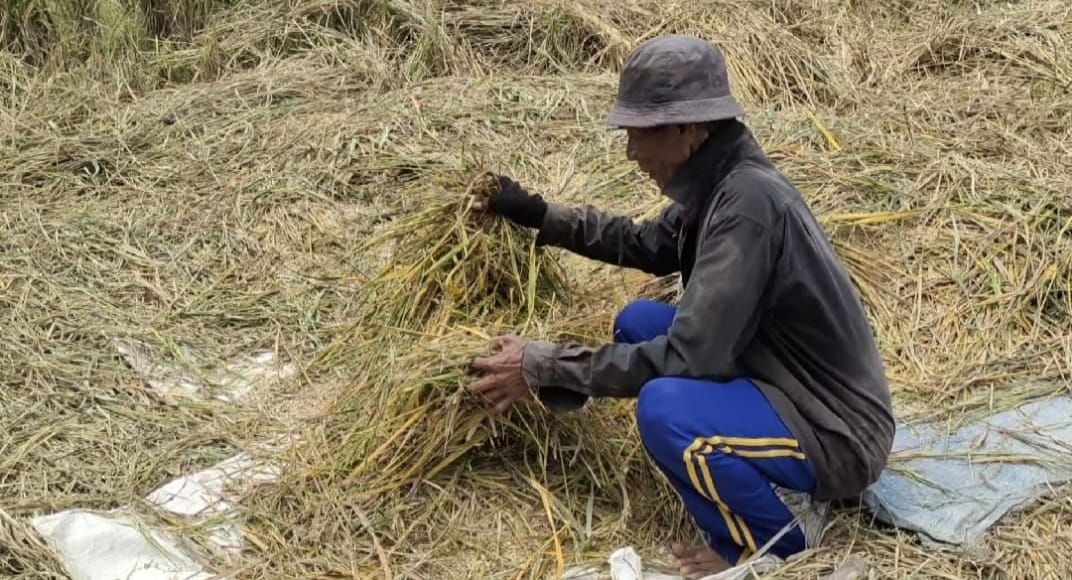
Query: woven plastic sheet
point(951, 486)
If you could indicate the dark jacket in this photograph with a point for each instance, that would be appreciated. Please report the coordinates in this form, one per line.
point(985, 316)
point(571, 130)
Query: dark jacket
point(765, 297)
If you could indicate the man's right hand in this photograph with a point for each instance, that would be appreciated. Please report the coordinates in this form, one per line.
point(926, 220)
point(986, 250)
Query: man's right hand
point(514, 203)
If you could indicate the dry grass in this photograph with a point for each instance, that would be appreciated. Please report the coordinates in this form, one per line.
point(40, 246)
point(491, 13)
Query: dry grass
point(222, 193)
point(23, 554)
point(457, 265)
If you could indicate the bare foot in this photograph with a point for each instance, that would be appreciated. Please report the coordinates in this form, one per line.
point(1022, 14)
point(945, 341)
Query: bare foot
point(698, 561)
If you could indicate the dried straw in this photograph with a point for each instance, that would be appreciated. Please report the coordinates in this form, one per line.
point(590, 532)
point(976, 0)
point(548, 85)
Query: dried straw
point(428, 420)
point(221, 193)
point(23, 554)
point(458, 264)
point(413, 436)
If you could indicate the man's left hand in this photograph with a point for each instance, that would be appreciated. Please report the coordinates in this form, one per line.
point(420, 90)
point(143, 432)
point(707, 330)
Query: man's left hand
point(503, 384)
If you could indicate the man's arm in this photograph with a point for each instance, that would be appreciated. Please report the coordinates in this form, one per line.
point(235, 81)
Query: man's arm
point(716, 320)
point(649, 246)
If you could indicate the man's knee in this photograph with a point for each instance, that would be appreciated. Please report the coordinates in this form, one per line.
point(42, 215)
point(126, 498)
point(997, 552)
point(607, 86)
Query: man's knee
point(659, 403)
point(631, 320)
point(626, 322)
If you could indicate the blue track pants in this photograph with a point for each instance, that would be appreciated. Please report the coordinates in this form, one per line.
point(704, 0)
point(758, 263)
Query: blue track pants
point(721, 445)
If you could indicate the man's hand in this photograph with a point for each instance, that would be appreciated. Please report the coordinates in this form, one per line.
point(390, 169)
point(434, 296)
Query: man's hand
point(514, 203)
point(502, 384)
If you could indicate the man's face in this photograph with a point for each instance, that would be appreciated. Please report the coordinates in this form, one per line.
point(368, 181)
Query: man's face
point(661, 151)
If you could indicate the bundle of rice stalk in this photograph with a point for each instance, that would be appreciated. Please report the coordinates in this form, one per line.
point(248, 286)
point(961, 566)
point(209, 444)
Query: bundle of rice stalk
point(451, 263)
point(416, 416)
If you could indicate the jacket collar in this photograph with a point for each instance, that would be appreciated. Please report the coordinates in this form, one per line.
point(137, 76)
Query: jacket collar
point(709, 165)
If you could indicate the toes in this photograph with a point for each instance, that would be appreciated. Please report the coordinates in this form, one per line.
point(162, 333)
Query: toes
point(697, 562)
point(692, 573)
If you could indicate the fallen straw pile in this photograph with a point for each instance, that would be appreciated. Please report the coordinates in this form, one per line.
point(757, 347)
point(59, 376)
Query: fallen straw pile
point(418, 419)
point(409, 427)
point(453, 263)
point(415, 416)
point(412, 458)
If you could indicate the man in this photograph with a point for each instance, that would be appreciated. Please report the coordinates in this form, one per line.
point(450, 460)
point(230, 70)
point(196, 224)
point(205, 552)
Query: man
point(766, 376)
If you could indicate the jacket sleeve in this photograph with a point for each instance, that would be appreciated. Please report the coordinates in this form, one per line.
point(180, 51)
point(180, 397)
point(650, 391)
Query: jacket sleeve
point(650, 246)
point(715, 321)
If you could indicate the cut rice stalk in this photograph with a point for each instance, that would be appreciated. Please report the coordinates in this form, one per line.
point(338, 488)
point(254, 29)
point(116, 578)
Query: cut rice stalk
point(458, 263)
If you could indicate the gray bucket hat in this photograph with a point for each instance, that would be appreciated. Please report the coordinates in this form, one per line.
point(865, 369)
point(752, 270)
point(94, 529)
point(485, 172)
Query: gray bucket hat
point(674, 79)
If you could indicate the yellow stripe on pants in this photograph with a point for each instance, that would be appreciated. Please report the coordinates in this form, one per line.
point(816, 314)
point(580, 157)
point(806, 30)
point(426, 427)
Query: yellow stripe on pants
point(791, 447)
point(739, 531)
point(751, 549)
point(709, 490)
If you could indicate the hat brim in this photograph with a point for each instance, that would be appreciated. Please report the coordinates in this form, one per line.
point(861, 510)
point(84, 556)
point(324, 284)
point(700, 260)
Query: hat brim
point(674, 113)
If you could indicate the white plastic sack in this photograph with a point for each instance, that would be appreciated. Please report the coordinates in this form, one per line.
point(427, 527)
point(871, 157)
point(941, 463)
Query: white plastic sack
point(229, 383)
point(114, 546)
point(120, 545)
point(209, 492)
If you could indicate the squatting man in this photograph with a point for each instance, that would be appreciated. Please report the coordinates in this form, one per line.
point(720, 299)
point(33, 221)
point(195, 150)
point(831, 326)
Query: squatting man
point(766, 376)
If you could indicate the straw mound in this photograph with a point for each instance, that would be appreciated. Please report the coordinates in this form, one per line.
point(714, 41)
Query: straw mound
point(427, 419)
point(236, 212)
point(419, 468)
point(437, 37)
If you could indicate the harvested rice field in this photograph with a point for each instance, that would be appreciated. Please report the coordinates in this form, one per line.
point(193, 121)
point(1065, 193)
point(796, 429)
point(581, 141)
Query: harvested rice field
point(245, 228)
